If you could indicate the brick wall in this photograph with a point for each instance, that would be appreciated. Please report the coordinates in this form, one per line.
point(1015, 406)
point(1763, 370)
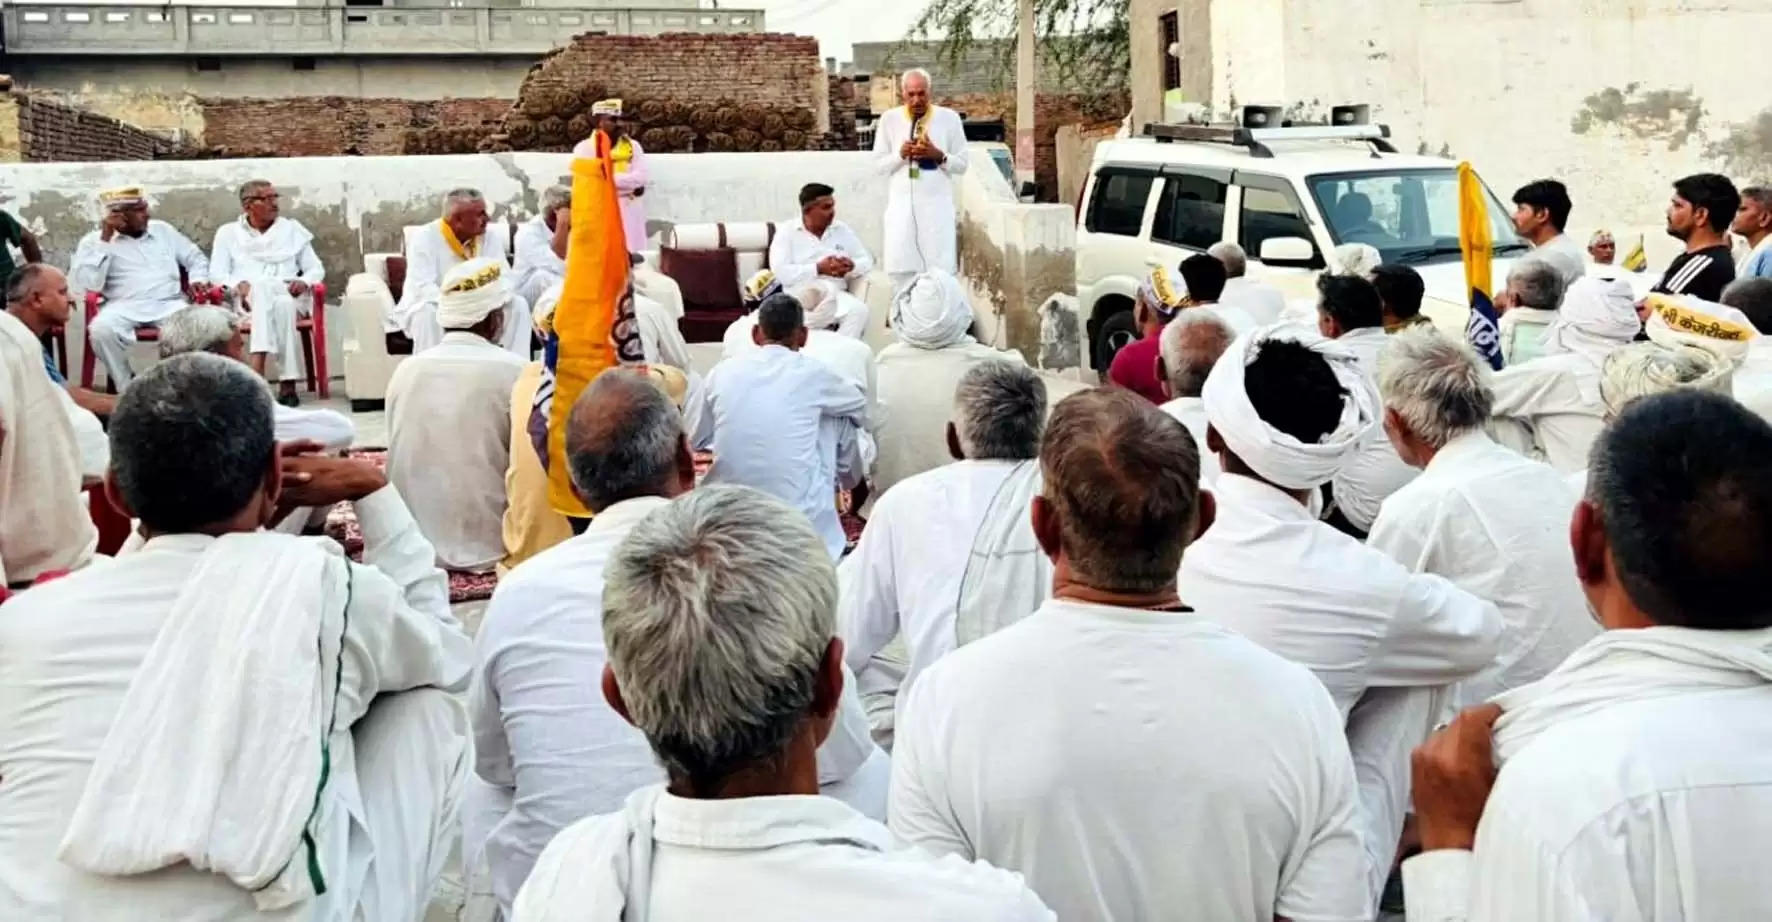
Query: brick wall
point(684, 91)
point(39, 130)
point(317, 126)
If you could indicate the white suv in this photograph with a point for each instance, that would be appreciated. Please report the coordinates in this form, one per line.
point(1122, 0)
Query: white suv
point(1287, 195)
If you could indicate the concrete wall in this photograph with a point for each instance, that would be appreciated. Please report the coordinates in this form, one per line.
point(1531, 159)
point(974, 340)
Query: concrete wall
point(1014, 258)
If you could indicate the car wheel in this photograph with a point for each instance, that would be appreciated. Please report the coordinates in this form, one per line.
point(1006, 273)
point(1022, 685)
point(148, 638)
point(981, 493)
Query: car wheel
point(1117, 332)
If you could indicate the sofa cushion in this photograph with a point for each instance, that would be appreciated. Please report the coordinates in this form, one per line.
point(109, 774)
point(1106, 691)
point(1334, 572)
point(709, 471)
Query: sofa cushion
point(708, 278)
point(396, 276)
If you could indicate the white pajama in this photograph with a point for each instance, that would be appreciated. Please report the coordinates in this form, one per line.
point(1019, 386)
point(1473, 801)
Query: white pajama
point(139, 279)
point(413, 761)
point(268, 261)
point(427, 259)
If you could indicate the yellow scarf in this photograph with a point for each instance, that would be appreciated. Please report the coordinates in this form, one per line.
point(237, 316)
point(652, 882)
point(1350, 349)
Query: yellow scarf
point(919, 126)
point(622, 154)
point(462, 252)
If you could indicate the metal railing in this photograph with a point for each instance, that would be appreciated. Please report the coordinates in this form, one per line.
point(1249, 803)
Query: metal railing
point(91, 29)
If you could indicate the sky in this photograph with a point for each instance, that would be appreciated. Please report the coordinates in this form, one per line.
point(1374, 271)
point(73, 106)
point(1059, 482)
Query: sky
point(837, 24)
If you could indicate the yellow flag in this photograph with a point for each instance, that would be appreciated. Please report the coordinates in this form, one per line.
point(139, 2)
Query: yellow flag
point(1483, 329)
point(1637, 259)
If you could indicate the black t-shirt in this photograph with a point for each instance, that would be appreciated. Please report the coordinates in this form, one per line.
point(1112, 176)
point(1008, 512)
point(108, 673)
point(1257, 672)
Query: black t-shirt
point(1702, 274)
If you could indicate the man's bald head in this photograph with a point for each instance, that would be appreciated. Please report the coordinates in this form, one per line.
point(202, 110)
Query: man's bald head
point(1123, 479)
point(625, 440)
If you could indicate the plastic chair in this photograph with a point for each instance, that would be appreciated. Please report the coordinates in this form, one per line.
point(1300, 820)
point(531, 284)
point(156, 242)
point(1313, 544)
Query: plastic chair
point(310, 329)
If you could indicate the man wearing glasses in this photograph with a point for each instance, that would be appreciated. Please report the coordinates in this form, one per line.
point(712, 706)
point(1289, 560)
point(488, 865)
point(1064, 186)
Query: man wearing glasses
point(268, 264)
point(134, 262)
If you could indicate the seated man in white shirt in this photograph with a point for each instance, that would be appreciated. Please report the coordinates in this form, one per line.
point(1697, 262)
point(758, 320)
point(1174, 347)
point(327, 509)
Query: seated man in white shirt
point(1485, 517)
point(1131, 757)
point(134, 262)
point(849, 358)
point(264, 729)
point(1636, 779)
point(463, 233)
point(922, 546)
point(1528, 306)
point(1262, 301)
point(1285, 411)
point(1350, 312)
point(820, 250)
point(449, 421)
point(1190, 345)
point(539, 262)
point(779, 421)
point(720, 626)
point(1550, 407)
point(45, 526)
point(548, 750)
point(268, 263)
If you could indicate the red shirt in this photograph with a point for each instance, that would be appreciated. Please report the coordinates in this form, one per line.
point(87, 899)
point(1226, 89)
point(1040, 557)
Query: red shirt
point(1135, 369)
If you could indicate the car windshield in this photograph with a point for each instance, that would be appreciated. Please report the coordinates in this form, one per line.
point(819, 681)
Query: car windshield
point(1004, 163)
point(1410, 216)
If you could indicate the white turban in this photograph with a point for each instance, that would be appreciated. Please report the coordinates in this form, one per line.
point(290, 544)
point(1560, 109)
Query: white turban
point(1275, 455)
point(1356, 259)
point(820, 305)
point(471, 292)
point(1692, 321)
point(1597, 316)
point(932, 312)
point(1642, 369)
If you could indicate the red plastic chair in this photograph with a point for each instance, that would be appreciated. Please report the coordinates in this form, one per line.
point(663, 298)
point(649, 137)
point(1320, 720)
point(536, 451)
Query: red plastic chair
point(310, 328)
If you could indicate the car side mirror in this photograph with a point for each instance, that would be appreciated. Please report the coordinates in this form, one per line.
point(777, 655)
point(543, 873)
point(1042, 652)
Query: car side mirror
point(1288, 252)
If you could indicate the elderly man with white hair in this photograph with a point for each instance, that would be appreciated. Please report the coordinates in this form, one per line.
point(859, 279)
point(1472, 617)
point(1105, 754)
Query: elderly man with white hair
point(1528, 305)
point(449, 420)
point(267, 262)
point(1550, 407)
point(1264, 302)
point(540, 258)
point(549, 750)
point(135, 262)
point(917, 375)
point(1190, 346)
point(1483, 516)
point(1286, 410)
point(719, 620)
point(920, 147)
point(263, 729)
point(462, 234)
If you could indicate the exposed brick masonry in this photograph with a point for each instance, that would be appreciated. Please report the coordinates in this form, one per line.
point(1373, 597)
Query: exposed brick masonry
point(318, 126)
point(50, 131)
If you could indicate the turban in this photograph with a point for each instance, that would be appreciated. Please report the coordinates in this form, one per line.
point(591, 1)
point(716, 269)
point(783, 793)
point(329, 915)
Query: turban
point(1163, 291)
point(932, 312)
point(1273, 454)
point(472, 291)
point(1597, 316)
point(1696, 322)
point(670, 379)
point(819, 304)
point(122, 197)
point(606, 107)
point(1642, 369)
point(761, 286)
point(1356, 259)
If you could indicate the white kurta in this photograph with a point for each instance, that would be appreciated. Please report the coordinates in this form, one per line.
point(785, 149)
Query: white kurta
point(751, 859)
point(794, 256)
point(139, 279)
point(780, 422)
point(1191, 412)
point(428, 257)
point(398, 760)
point(44, 523)
point(269, 261)
point(1270, 571)
point(537, 267)
point(548, 749)
point(1264, 302)
point(916, 397)
point(1522, 334)
point(661, 340)
point(910, 563)
point(1135, 765)
point(921, 217)
point(1564, 254)
point(1753, 377)
point(1652, 805)
point(1555, 400)
point(1497, 525)
point(449, 432)
point(1375, 471)
point(849, 358)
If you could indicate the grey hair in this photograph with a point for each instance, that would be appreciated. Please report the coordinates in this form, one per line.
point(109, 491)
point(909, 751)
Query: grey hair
point(905, 78)
point(1000, 411)
point(1236, 261)
point(622, 439)
point(1537, 284)
point(24, 279)
point(191, 441)
point(1436, 384)
point(717, 612)
point(1188, 359)
point(253, 187)
point(464, 195)
point(197, 329)
point(555, 198)
point(1761, 195)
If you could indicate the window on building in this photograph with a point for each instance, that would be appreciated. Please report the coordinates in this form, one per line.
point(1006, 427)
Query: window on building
point(1117, 204)
point(569, 19)
point(153, 16)
point(76, 16)
point(1268, 214)
point(363, 3)
point(117, 16)
point(1190, 212)
point(240, 19)
point(302, 63)
point(208, 65)
point(202, 18)
point(280, 19)
point(35, 16)
point(1170, 27)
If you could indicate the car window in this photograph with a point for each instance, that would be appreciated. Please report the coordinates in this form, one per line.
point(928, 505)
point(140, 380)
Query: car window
point(1410, 216)
point(1117, 205)
point(1190, 212)
point(1268, 214)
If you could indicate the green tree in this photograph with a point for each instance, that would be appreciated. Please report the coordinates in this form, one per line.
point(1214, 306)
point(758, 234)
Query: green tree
point(1083, 41)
